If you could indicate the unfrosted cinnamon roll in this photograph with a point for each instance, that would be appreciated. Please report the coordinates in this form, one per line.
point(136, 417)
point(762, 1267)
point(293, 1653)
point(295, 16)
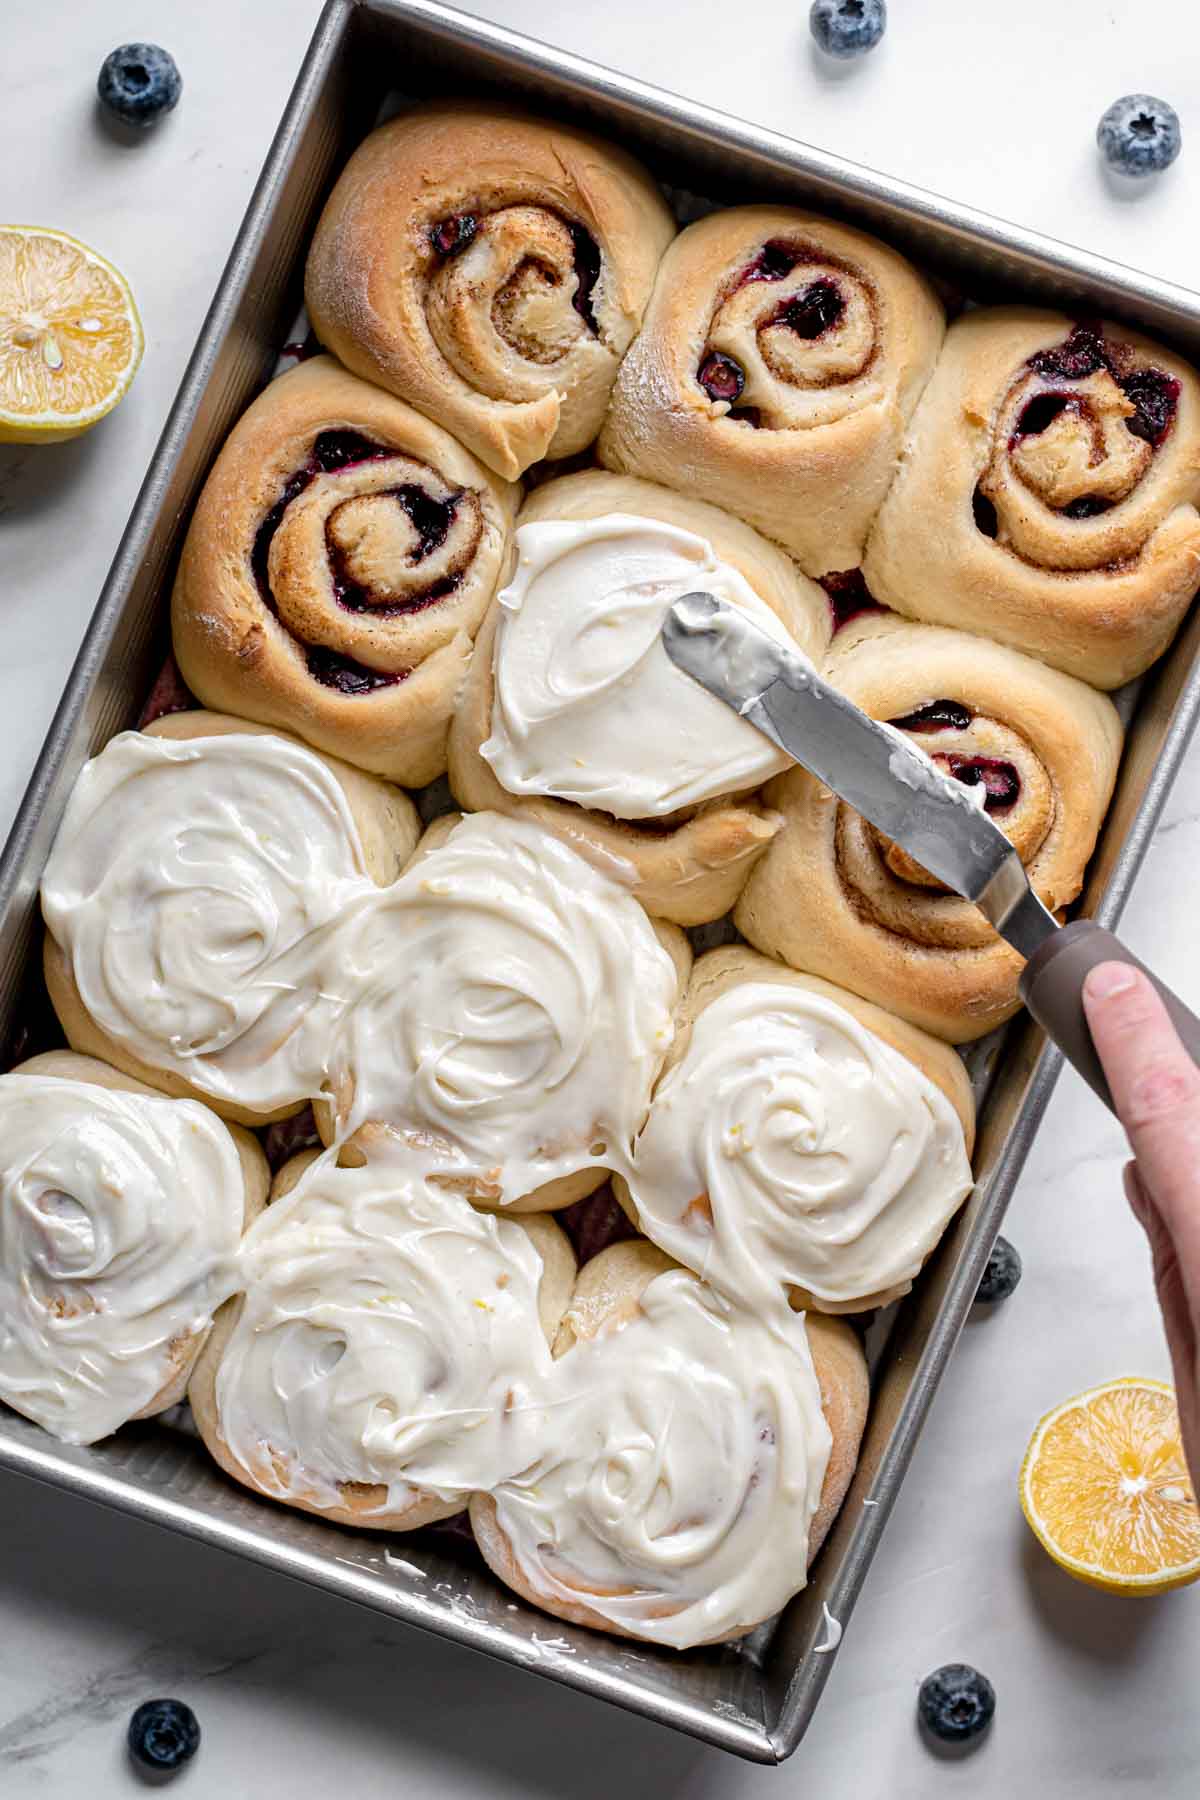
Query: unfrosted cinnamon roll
point(339, 559)
point(574, 716)
point(120, 1218)
point(692, 1458)
point(389, 1349)
point(800, 1140)
point(192, 899)
point(508, 1008)
point(1048, 495)
point(491, 269)
point(833, 897)
point(778, 363)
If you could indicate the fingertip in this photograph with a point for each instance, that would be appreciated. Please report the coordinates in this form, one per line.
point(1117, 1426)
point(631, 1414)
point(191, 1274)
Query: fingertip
point(1110, 980)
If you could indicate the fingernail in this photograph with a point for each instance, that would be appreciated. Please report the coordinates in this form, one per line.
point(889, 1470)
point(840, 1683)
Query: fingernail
point(1109, 979)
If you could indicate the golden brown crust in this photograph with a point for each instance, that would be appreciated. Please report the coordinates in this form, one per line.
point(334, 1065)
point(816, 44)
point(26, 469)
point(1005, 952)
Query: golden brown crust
point(68, 1065)
point(388, 828)
point(1099, 596)
point(610, 1286)
point(692, 868)
point(487, 339)
point(363, 1500)
point(831, 408)
point(832, 898)
point(354, 530)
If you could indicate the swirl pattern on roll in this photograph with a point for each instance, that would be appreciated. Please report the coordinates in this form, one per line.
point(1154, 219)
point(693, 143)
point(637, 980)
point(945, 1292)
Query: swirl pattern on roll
point(194, 892)
point(1048, 496)
point(803, 1143)
point(680, 1475)
point(339, 560)
point(386, 1357)
point(573, 715)
point(834, 897)
point(491, 269)
point(779, 360)
point(534, 1009)
point(120, 1216)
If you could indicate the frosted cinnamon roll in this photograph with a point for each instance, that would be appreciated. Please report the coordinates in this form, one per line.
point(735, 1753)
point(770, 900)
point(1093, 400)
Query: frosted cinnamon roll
point(573, 714)
point(491, 269)
point(834, 897)
point(120, 1218)
point(192, 900)
point(800, 1141)
point(388, 1353)
point(778, 363)
point(1049, 492)
point(509, 1008)
point(691, 1462)
point(338, 562)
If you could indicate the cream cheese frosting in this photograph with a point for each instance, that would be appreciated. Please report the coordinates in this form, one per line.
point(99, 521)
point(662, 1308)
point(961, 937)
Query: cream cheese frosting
point(196, 887)
point(682, 1464)
point(512, 1008)
point(791, 1147)
point(120, 1216)
point(389, 1336)
point(588, 706)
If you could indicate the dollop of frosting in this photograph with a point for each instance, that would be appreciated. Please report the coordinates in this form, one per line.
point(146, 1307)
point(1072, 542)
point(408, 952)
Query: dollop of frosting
point(120, 1216)
point(588, 706)
point(791, 1147)
point(511, 1008)
point(682, 1466)
point(196, 887)
point(389, 1338)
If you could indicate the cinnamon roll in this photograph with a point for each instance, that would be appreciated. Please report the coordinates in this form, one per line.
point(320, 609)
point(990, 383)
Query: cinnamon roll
point(574, 716)
point(339, 559)
point(120, 1218)
point(691, 1463)
point(778, 363)
point(491, 269)
point(509, 1007)
point(389, 1349)
point(800, 1140)
point(192, 900)
point(833, 897)
point(1048, 495)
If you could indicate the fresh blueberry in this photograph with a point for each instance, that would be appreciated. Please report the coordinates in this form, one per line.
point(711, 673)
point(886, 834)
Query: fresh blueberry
point(956, 1703)
point(1139, 135)
point(1002, 1274)
point(163, 1735)
point(846, 28)
point(139, 83)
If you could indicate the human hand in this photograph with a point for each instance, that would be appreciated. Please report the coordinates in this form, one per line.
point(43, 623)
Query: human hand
point(1155, 1087)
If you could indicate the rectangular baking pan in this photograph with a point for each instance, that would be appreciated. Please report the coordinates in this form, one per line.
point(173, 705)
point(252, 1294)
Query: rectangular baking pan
point(756, 1699)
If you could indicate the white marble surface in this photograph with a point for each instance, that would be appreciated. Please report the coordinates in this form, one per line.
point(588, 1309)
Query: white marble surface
point(301, 1695)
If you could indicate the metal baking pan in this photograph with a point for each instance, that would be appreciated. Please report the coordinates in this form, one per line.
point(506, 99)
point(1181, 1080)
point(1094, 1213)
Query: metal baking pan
point(755, 1699)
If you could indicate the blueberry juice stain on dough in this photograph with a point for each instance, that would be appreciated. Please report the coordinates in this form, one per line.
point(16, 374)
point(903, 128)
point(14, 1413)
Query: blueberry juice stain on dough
point(452, 235)
point(999, 779)
point(333, 451)
point(1152, 393)
point(809, 314)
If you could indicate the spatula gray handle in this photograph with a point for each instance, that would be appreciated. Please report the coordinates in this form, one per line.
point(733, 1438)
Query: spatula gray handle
point(1052, 989)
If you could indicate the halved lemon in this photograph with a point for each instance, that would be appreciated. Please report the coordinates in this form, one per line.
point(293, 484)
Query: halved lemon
point(1105, 1487)
point(70, 336)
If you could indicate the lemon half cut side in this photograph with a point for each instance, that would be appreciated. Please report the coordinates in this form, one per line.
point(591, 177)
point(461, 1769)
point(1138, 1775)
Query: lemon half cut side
point(70, 335)
point(1105, 1487)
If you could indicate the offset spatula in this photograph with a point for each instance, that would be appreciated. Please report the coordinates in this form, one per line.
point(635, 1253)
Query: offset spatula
point(878, 772)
